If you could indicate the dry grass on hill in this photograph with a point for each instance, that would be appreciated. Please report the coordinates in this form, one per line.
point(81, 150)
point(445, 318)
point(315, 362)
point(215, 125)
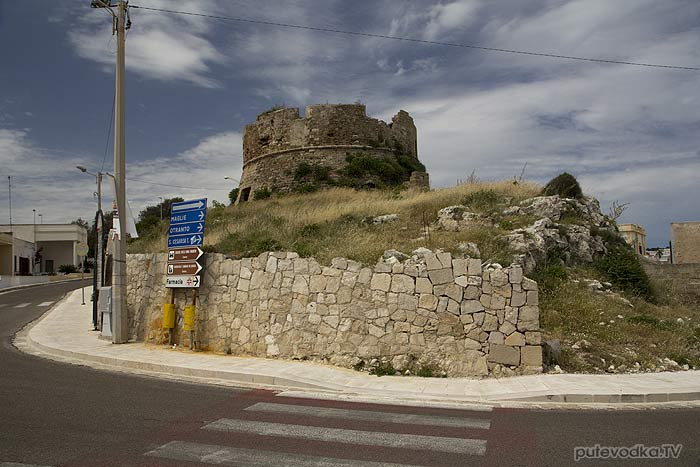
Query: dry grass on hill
point(329, 223)
point(597, 330)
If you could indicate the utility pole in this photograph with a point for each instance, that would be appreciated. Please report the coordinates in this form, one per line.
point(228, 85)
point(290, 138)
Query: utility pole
point(119, 279)
point(120, 321)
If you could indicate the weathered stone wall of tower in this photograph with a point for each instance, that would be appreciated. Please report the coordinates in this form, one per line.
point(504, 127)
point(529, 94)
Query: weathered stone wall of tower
point(280, 140)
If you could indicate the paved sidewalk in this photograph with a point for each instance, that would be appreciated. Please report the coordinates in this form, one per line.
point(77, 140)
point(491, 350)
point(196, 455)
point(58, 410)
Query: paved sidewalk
point(65, 334)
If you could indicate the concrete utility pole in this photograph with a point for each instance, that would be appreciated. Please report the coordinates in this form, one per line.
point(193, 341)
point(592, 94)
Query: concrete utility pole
point(120, 328)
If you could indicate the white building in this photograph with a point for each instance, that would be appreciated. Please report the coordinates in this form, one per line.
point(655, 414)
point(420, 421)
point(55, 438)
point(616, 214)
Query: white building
point(27, 249)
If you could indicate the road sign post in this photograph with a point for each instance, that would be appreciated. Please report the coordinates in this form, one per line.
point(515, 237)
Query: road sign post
point(185, 236)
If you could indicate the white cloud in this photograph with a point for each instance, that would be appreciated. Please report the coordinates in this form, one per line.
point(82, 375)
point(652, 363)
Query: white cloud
point(159, 46)
point(48, 181)
point(446, 17)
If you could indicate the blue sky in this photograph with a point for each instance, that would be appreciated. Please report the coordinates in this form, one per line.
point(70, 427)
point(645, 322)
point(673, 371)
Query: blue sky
point(628, 133)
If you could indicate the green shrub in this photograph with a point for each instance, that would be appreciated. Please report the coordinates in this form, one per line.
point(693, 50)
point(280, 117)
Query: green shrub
point(248, 244)
point(364, 170)
point(313, 173)
point(564, 185)
point(262, 193)
point(643, 319)
point(622, 267)
point(483, 200)
point(306, 188)
point(302, 170)
point(383, 369)
point(67, 268)
point(551, 272)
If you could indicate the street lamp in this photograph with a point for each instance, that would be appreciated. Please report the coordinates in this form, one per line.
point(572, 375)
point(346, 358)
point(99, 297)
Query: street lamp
point(99, 266)
point(41, 218)
point(231, 178)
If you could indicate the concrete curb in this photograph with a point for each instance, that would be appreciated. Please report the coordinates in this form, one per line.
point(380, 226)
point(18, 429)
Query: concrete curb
point(298, 384)
point(28, 286)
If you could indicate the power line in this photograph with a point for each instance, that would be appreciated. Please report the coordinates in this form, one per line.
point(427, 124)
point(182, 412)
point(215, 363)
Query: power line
point(421, 41)
point(174, 186)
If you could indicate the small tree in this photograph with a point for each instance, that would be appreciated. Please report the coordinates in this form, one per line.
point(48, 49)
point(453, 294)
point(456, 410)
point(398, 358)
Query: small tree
point(617, 209)
point(67, 268)
point(233, 195)
point(564, 185)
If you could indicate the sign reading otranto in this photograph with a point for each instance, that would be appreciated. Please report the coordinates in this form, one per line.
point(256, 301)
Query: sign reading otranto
point(185, 236)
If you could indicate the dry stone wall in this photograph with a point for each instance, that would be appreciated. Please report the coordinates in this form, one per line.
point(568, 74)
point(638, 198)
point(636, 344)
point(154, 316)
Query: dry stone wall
point(430, 310)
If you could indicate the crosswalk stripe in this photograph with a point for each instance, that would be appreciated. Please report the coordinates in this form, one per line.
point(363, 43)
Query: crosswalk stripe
point(22, 305)
point(475, 447)
point(221, 455)
point(367, 415)
point(45, 304)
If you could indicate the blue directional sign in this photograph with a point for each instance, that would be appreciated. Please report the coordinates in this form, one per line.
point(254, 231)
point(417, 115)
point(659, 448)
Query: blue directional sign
point(175, 241)
point(189, 228)
point(187, 217)
point(187, 223)
point(191, 205)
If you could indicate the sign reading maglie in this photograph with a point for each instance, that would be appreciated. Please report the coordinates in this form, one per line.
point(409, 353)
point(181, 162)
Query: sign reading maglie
point(185, 235)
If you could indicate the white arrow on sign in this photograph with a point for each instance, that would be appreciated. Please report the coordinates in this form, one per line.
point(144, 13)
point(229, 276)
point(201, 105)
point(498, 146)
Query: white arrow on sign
point(201, 215)
point(188, 206)
point(200, 227)
point(195, 239)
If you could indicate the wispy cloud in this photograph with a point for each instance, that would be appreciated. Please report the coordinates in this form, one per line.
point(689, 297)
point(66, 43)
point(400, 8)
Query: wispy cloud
point(161, 46)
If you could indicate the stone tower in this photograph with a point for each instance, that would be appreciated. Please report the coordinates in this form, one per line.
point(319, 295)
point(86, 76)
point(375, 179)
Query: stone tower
point(280, 143)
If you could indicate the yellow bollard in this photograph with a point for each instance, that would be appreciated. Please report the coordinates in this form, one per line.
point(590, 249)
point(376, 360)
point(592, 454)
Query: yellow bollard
point(188, 318)
point(168, 316)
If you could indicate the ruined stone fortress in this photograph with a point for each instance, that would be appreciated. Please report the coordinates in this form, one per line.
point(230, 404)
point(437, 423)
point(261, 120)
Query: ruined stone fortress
point(281, 140)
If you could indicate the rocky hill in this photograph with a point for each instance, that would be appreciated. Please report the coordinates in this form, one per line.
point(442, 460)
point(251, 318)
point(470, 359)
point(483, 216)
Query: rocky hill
point(598, 310)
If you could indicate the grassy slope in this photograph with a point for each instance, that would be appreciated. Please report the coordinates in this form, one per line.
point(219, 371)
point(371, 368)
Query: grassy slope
point(327, 224)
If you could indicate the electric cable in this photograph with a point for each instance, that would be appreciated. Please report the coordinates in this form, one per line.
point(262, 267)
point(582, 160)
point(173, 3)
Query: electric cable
point(414, 40)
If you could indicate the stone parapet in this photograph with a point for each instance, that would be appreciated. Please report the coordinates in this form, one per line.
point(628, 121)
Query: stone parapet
point(430, 310)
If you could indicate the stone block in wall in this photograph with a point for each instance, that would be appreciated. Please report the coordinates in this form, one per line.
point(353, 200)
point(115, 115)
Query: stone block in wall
point(531, 355)
point(441, 276)
point(504, 354)
point(381, 281)
point(423, 286)
point(529, 318)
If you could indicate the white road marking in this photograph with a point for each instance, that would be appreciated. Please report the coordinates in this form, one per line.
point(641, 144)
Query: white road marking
point(475, 447)
point(22, 305)
point(224, 455)
point(368, 415)
point(45, 304)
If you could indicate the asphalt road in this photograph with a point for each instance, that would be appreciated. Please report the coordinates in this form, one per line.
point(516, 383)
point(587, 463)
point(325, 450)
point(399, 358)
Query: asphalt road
point(54, 414)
